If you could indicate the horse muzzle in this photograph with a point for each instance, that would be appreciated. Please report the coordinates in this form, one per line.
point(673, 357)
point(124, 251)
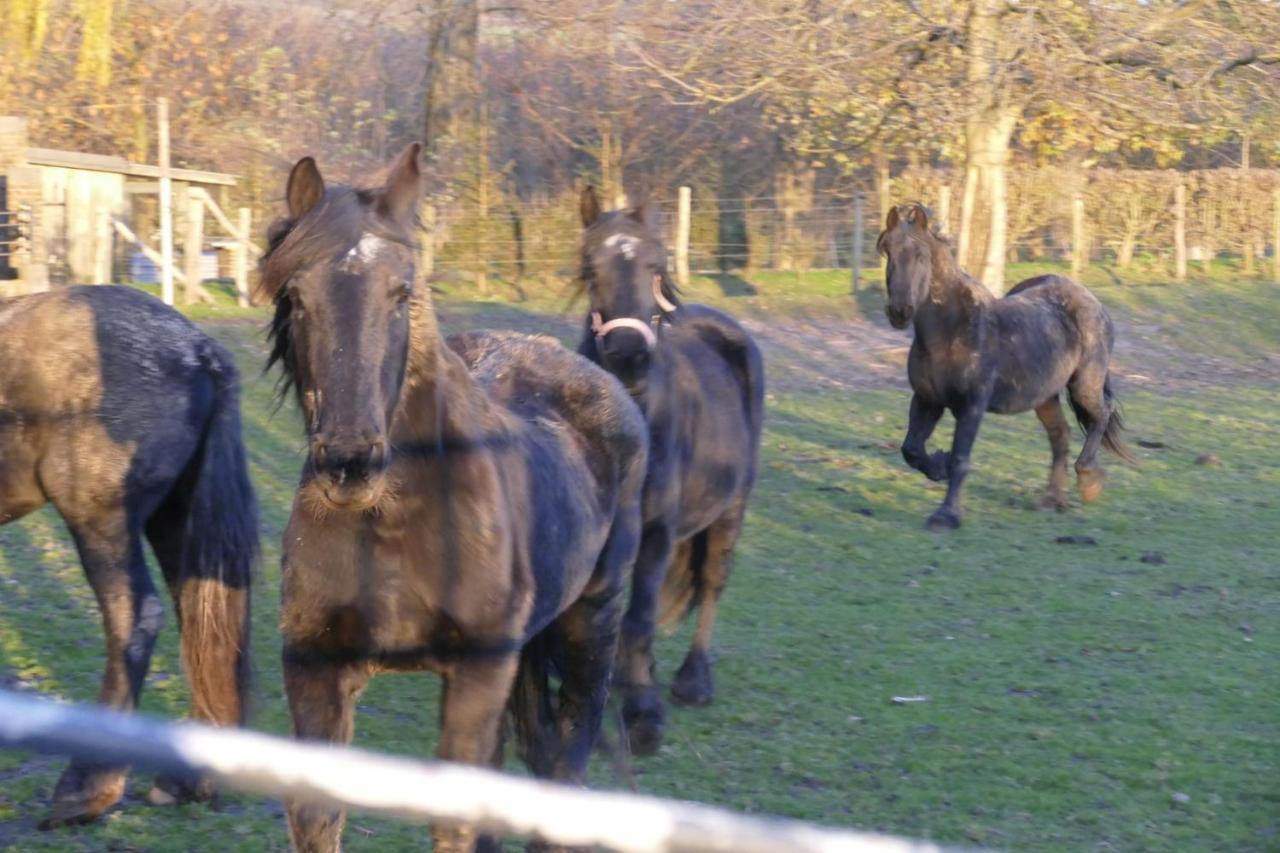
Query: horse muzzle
point(350, 476)
point(899, 318)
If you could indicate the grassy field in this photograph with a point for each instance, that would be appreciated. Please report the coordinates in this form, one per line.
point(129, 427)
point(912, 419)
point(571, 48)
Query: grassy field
point(1120, 694)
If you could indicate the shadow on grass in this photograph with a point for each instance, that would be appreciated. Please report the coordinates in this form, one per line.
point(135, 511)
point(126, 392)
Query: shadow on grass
point(732, 285)
point(870, 301)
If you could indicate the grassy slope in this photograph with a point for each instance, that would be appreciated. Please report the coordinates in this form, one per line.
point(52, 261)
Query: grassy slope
point(1072, 689)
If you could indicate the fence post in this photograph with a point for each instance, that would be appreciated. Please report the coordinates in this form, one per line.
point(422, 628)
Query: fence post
point(166, 202)
point(1079, 250)
point(1275, 232)
point(683, 214)
point(856, 254)
point(102, 234)
point(193, 247)
point(1180, 231)
point(240, 260)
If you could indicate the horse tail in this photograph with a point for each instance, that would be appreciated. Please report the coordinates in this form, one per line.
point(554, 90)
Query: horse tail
point(682, 587)
point(1112, 435)
point(532, 711)
point(219, 550)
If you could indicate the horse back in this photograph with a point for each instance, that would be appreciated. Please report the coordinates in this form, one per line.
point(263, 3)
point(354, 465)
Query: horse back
point(711, 419)
point(109, 385)
point(585, 449)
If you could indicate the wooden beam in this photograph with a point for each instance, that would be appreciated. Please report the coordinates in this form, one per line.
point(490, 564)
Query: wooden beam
point(232, 231)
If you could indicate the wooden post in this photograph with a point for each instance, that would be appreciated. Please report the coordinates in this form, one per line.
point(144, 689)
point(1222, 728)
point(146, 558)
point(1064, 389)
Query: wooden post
point(193, 248)
point(942, 220)
point(102, 233)
point(855, 260)
point(1079, 251)
point(684, 211)
point(166, 203)
point(1275, 232)
point(240, 260)
point(1180, 231)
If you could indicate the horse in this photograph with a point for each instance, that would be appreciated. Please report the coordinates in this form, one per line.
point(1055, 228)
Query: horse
point(974, 353)
point(125, 416)
point(698, 377)
point(468, 506)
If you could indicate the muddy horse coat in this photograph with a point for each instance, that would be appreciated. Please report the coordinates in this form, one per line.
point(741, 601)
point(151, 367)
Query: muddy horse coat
point(699, 379)
point(470, 507)
point(974, 353)
point(125, 416)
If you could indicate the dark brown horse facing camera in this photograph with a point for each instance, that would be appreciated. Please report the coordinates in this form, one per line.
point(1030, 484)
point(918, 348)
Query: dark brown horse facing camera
point(699, 379)
point(469, 506)
point(974, 354)
point(126, 417)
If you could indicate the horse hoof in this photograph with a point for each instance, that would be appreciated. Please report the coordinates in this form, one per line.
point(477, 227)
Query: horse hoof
point(645, 721)
point(693, 684)
point(170, 790)
point(943, 519)
point(1052, 501)
point(82, 795)
point(1090, 484)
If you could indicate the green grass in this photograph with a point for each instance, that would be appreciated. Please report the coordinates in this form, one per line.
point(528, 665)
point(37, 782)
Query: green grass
point(1072, 690)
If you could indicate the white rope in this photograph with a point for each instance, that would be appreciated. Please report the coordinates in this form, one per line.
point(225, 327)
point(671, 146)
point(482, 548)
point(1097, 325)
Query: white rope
point(416, 791)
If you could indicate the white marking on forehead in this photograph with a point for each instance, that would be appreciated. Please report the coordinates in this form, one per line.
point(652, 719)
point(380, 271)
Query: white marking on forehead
point(625, 242)
point(363, 253)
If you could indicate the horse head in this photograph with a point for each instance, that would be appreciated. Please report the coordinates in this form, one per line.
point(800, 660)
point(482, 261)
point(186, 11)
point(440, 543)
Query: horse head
point(341, 271)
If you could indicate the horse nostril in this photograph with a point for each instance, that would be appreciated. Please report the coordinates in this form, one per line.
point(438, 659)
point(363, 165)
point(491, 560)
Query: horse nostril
point(377, 453)
point(320, 451)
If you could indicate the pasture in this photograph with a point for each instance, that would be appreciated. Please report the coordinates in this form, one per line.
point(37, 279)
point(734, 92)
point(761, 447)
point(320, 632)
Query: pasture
point(1098, 678)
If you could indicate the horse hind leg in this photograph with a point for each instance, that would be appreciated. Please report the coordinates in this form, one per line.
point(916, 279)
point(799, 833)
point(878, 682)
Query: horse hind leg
point(693, 684)
point(1055, 424)
point(132, 614)
point(215, 665)
point(1093, 411)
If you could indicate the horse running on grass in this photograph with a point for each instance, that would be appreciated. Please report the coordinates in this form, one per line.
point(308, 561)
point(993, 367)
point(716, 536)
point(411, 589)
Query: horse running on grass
point(974, 353)
point(469, 506)
point(125, 416)
point(699, 379)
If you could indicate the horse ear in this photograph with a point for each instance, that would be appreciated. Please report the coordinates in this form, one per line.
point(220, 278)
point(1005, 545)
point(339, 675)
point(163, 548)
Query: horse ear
point(305, 187)
point(891, 221)
point(589, 206)
point(917, 215)
point(647, 214)
point(403, 189)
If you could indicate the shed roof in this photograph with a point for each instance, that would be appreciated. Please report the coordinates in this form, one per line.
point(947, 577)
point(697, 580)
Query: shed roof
point(120, 166)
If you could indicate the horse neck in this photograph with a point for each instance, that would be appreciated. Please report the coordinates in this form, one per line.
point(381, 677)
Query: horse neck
point(955, 303)
point(440, 403)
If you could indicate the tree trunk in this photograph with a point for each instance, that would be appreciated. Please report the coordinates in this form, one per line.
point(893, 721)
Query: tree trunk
point(967, 206)
point(883, 187)
point(989, 139)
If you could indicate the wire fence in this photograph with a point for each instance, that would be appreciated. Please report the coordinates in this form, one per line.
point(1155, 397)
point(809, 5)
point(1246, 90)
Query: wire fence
point(1119, 218)
point(416, 791)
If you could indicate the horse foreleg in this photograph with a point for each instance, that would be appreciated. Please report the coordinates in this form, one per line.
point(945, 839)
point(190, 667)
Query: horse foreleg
point(1050, 414)
point(923, 419)
point(471, 707)
point(132, 615)
point(642, 712)
point(947, 516)
point(693, 684)
point(322, 701)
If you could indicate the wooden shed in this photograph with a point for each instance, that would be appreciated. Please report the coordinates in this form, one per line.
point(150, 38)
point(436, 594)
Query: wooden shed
point(57, 207)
